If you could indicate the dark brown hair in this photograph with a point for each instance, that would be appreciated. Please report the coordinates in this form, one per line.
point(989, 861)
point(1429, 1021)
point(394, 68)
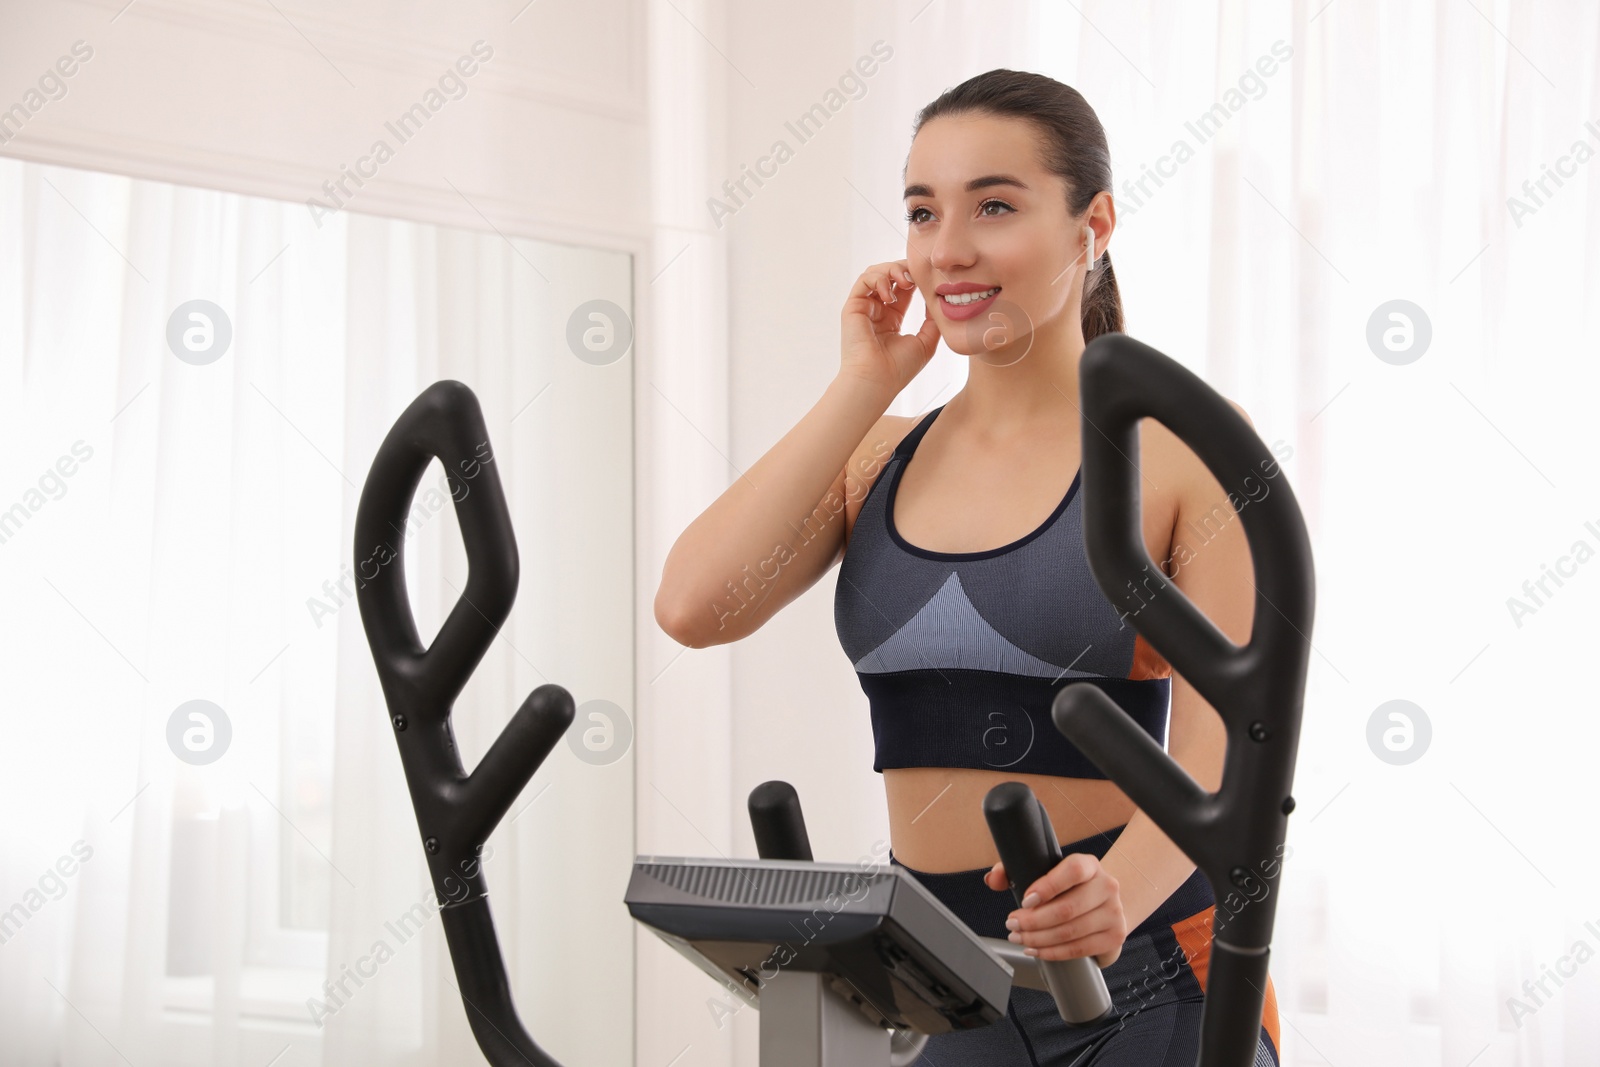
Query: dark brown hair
point(1073, 146)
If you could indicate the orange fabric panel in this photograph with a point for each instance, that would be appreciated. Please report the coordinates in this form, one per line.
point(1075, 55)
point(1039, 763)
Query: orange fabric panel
point(1194, 937)
point(1147, 662)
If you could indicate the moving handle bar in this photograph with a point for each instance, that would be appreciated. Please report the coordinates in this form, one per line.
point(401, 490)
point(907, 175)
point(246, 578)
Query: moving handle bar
point(1235, 835)
point(456, 811)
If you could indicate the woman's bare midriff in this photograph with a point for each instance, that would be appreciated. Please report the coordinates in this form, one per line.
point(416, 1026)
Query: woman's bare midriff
point(936, 821)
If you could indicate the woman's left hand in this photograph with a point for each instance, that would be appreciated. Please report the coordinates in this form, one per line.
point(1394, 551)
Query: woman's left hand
point(1077, 911)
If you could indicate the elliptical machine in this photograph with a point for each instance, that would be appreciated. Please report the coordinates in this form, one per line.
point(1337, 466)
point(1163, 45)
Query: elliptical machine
point(887, 963)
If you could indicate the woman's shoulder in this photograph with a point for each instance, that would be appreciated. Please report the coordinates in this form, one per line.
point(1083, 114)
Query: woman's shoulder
point(873, 453)
point(868, 461)
point(887, 434)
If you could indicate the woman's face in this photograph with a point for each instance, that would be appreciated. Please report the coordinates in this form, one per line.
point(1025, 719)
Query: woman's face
point(1012, 232)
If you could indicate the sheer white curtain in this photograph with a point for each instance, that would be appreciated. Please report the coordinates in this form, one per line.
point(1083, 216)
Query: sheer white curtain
point(1283, 171)
point(157, 573)
point(177, 530)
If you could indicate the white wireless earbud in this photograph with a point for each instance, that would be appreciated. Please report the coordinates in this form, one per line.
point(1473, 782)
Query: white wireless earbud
point(1088, 236)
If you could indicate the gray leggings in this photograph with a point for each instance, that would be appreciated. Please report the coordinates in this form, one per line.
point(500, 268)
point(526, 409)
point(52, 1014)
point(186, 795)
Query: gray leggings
point(1156, 992)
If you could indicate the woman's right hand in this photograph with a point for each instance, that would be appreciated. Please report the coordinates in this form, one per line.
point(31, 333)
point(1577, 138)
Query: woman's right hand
point(873, 349)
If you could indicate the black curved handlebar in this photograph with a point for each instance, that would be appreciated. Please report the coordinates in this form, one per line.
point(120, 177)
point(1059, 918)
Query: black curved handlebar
point(1235, 835)
point(456, 811)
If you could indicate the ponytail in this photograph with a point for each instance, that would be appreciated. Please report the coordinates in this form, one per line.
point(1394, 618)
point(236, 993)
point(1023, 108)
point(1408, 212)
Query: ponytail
point(1102, 303)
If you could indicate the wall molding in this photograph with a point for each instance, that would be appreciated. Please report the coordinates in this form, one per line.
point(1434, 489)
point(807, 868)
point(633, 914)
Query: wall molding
point(391, 198)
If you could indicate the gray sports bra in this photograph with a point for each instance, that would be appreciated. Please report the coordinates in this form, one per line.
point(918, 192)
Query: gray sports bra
point(961, 654)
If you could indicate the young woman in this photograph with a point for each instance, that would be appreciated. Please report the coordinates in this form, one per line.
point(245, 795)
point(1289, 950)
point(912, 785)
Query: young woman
point(964, 599)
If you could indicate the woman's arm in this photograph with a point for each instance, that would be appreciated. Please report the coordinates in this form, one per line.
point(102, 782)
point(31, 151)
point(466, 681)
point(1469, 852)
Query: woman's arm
point(779, 526)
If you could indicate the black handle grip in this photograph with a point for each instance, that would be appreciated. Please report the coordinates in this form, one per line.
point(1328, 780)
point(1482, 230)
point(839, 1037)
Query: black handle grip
point(456, 812)
point(1027, 845)
point(779, 826)
point(1234, 836)
point(1022, 835)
